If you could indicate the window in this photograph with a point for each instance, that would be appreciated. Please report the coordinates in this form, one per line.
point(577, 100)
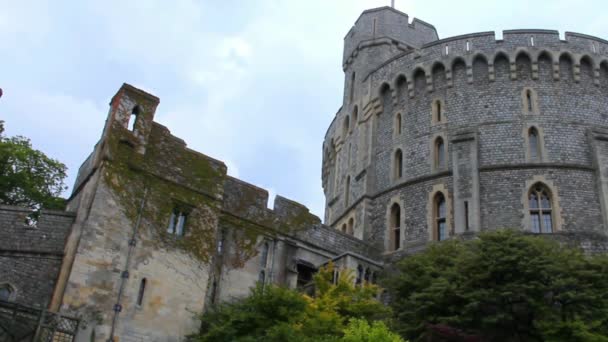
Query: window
point(6, 292)
point(395, 227)
point(441, 231)
point(140, 294)
point(264, 255)
point(398, 165)
point(131, 125)
point(355, 118)
point(262, 277)
point(345, 127)
point(397, 127)
point(437, 112)
point(466, 216)
point(351, 226)
point(529, 100)
point(533, 144)
point(344, 228)
point(352, 87)
point(359, 278)
point(440, 162)
point(367, 276)
point(177, 222)
point(347, 191)
point(539, 201)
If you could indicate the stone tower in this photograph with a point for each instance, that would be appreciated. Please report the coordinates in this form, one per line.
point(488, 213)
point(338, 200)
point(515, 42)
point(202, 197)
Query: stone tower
point(441, 138)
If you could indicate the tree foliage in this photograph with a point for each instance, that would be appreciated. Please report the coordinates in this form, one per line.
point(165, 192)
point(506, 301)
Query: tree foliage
point(502, 286)
point(337, 312)
point(28, 177)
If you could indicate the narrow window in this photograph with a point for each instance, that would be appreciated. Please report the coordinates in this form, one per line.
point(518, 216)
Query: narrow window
point(398, 124)
point(529, 100)
point(6, 291)
point(374, 28)
point(468, 46)
point(395, 227)
point(531, 40)
point(367, 276)
point(398, 167)
point(437, 111)
point(352, 87)
point(351, 226)
point(345, 127)
point(131, 125)
point(359, 275)
point(177, 222)
point(439, 153)
point(355, 118)
point(534, 146)
point(539, 202)
point(262, 277)
point(140, 294)
point(439, 116)
point(440, 217)
point(347, 191)
point(466, 216)
point(447, 50)
point(264, 255)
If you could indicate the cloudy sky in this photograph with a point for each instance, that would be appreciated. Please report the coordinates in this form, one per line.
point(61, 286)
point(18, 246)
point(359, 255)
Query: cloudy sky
point(253, 83)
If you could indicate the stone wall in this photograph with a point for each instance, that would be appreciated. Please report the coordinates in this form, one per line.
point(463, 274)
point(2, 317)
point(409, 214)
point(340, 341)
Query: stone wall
point(30, 256)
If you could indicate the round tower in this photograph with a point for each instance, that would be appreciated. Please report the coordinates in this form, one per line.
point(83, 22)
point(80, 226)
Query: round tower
point(449, 137)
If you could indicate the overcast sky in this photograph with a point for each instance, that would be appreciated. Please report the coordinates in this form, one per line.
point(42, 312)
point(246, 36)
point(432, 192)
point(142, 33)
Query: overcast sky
point(252, 83)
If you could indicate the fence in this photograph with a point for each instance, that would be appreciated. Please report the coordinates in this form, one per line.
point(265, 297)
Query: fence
point(19, 323)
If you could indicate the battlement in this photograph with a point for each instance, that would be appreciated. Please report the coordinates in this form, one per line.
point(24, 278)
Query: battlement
point(387, 23)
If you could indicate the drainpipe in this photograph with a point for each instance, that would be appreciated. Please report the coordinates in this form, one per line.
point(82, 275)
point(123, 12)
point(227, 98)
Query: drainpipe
point(125, 274)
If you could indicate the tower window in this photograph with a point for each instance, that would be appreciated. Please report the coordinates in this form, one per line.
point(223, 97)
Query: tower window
point(132, 124)
point(352, 87)
point(140, 294)
point(395, 228)
point(533, 144)
point(345, 127)
point(398, 165)
point(6, 292)
point(437, 112)
point(347, 192)
point(397, 127)
point(539, 200)
point(440, 162)
point(177, 222)
point(441, 232)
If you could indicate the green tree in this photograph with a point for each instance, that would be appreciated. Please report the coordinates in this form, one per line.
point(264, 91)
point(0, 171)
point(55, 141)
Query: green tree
point(28, 177)
point(337, 312)
point(502, 286)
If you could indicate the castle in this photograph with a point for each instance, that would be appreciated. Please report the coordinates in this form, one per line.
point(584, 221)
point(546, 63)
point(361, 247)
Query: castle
point(435, 139)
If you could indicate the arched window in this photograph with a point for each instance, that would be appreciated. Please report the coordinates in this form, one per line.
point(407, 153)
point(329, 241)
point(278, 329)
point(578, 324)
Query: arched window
point(441, 230)
point(359, 278)
point(398, 166)
point(131, 125)
point(345, 127)
point(440, 162)
point(6, 292)
point(539, 201)
point(142, 289)
point(397, 127)
point(351, 226)
point(533, 144)
point(347, 191)
point(264, 255)
point(355, 118)
point(395, 227)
